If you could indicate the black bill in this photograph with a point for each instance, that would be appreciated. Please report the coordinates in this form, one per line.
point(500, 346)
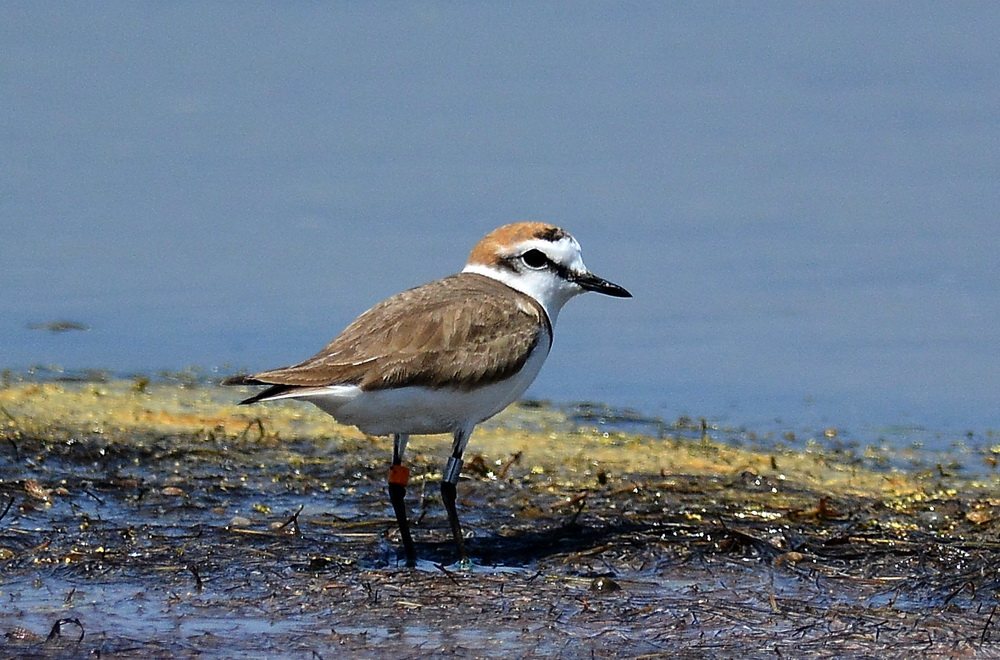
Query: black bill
point(592, 282)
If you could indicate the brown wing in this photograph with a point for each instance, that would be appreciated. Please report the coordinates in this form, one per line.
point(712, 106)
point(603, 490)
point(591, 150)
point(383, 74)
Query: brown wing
point(460, 331)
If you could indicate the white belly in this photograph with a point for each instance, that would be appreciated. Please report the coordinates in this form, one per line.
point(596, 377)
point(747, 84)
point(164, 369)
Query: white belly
point(422, 410)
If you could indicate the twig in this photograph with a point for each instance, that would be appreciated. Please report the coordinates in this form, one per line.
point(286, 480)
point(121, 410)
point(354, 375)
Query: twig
point(293, 521)
point(989, 620)
point(10, 503)
point(198, 584)
point(505, 468)
point(57, 629)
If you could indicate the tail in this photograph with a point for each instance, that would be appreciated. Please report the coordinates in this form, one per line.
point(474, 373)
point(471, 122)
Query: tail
point(245, 379)
point(242, 379)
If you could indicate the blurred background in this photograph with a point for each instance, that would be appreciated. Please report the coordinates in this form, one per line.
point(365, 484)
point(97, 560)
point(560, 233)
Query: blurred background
point(802, 197)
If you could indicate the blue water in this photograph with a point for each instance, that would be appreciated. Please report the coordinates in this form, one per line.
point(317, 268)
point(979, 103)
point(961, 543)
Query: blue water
point(802, 197)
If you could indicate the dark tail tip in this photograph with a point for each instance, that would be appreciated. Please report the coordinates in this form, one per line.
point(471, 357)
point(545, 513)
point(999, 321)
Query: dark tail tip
point(245, 379)
point(241, 379)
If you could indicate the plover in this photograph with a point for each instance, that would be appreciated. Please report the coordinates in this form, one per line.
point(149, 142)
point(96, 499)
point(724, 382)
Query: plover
point(445, 356)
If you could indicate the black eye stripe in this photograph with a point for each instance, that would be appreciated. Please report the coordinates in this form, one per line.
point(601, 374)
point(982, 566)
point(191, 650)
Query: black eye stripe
point(515, 264)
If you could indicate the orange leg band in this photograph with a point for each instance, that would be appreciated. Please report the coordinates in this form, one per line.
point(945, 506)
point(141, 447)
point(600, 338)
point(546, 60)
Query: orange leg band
point(399, 475)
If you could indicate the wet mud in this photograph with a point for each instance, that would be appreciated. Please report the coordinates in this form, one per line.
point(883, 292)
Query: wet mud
point(144, 520)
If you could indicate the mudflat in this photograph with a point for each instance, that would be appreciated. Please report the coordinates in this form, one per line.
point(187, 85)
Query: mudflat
point(157, 519)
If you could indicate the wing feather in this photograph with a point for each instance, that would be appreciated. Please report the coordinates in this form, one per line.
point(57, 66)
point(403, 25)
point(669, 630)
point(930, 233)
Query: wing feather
point(460, 331)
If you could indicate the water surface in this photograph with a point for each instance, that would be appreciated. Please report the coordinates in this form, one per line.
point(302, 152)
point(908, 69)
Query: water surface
point(801, 197)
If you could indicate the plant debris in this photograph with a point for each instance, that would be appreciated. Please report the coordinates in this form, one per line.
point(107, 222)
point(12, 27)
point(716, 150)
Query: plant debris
point(163, 521)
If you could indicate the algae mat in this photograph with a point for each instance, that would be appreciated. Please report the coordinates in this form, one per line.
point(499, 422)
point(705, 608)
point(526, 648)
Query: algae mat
point(146, 520)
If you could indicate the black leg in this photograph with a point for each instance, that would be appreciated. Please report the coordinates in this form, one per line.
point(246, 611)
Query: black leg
point(452, 471)
point(448, 496)
point(397, 493)
point(399, 477)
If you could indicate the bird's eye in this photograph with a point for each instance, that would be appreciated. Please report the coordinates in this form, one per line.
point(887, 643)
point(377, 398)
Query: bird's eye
point(534, 259)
